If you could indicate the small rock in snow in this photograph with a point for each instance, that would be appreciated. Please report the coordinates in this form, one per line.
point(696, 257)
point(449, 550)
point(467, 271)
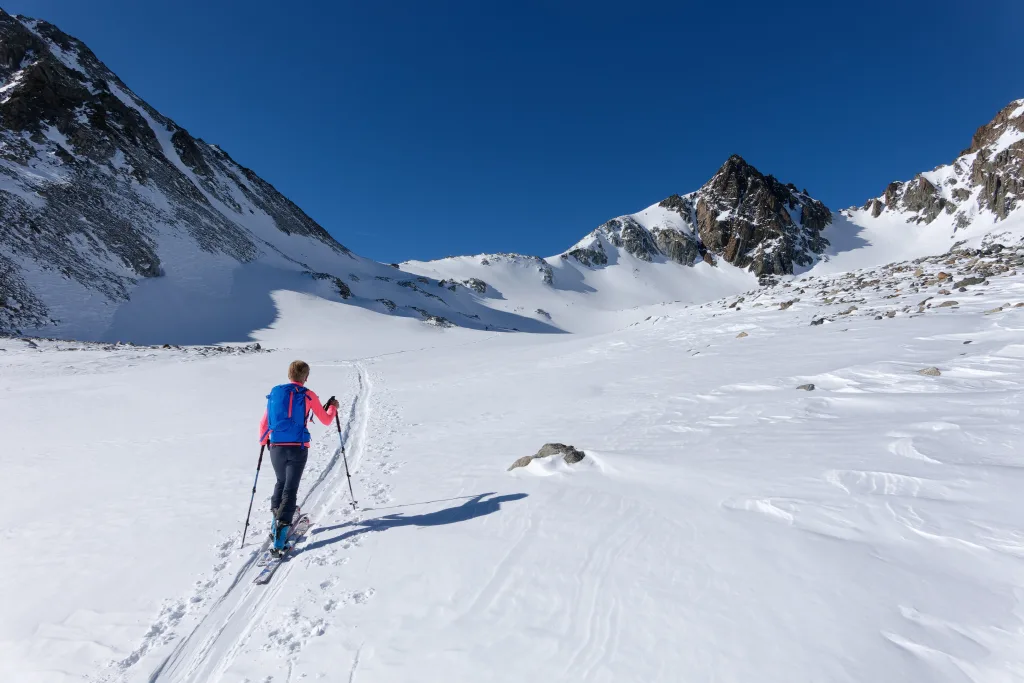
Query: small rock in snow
point(806, 387)
point(930, 372)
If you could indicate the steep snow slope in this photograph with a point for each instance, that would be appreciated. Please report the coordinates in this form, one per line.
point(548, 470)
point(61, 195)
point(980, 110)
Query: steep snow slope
point(723, 525)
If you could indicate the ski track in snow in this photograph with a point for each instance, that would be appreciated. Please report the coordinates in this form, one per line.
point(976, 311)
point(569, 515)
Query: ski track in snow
point(233, 620)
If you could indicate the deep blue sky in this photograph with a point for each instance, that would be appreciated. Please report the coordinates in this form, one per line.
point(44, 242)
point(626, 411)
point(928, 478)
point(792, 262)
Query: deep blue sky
point(421, 129)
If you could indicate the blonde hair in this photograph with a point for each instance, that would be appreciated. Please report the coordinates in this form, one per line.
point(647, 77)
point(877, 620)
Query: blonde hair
point(298, 371)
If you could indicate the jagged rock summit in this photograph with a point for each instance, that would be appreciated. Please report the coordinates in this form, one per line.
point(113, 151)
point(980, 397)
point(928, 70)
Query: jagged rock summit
point(986, 182)
point(742, 216)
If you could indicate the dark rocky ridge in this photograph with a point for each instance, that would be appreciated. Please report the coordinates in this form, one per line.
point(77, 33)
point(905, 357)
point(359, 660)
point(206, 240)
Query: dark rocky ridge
point(79, 165)
point(987, 176)
point(742, 216)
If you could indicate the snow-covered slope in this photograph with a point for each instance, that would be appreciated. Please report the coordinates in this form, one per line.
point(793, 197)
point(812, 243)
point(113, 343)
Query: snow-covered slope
point(723, 526)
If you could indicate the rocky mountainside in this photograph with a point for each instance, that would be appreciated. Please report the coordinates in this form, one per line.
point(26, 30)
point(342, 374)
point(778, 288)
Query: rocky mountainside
point(741, 216)
point(94, 182)
point(986, 182)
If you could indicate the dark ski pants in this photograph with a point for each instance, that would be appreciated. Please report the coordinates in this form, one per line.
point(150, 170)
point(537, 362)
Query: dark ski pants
point(288, 461)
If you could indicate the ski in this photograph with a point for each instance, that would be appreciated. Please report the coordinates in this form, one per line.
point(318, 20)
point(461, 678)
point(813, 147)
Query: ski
point(273, 561)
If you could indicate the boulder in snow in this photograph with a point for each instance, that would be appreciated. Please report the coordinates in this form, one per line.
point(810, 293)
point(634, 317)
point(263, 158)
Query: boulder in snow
point(570, 455)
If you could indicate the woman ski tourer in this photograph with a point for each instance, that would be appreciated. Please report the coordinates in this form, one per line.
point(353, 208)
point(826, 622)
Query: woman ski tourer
point(289, 408)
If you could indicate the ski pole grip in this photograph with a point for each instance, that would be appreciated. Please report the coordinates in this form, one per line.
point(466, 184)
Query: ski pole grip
point(328, 404)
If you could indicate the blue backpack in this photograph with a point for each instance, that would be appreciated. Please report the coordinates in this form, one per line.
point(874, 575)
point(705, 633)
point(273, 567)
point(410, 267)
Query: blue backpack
point(286, 415)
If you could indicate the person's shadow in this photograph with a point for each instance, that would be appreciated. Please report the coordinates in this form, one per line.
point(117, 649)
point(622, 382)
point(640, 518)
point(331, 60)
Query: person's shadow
point(477, 506)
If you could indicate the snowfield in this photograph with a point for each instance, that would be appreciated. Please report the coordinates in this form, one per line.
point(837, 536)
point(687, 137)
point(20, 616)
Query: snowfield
point(724, 525)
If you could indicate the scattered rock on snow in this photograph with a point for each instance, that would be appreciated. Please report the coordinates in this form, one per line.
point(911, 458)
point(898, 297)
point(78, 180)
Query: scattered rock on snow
point(741, 335)
point(930, 372)
point(806, 387)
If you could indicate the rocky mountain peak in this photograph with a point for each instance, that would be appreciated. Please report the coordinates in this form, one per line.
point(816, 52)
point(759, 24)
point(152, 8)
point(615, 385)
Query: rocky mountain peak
point(1010, 120)
point(740, 215)
point(754, 221)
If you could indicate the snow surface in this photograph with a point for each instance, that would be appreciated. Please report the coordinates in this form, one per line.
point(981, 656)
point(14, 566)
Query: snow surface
point(1009, 137)
point(724, 526)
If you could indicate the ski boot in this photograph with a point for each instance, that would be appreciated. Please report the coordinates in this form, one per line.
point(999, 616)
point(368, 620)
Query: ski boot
point(281, 531)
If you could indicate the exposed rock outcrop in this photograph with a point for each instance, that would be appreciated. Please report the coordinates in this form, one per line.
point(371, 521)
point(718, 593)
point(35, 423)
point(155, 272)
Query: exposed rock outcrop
point(988, 176)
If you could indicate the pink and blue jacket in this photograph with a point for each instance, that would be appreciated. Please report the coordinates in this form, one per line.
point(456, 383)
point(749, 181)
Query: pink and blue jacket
point(312, 405)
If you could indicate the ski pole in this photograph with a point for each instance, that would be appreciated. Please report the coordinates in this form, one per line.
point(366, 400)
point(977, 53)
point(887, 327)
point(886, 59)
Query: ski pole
point(341, 441)
point(258, 463)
